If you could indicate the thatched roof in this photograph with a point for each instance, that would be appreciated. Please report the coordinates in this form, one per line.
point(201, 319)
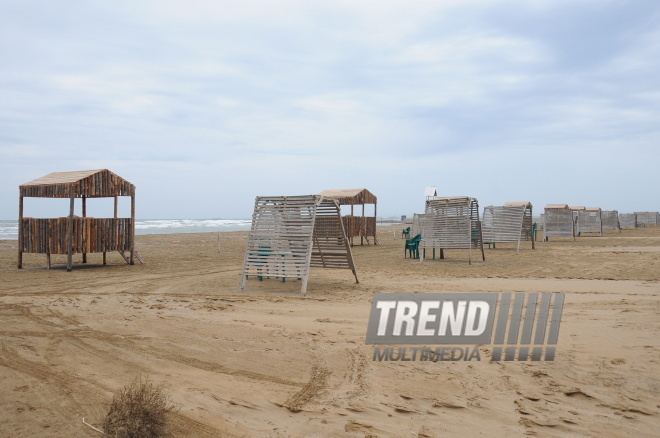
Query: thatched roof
point(557, 207)
point(577, 207)
point(592, 208)
point(82, 183)
point(350, 196)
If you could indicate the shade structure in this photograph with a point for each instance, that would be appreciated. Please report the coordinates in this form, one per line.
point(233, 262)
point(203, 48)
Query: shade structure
point(71, 234)
point(558, 221)
point(360, 226)
point(628, 221)
point(290, 234)
point(510, 222)
point(611, 220)
point(589, 220)
point(647, 218)
point(451, 223)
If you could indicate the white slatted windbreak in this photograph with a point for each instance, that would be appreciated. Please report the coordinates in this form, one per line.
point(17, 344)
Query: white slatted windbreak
point(558, 223)
point(647, 218)
point(589, 221)
point(611, 220)
point(451, 223)
point(291, 233)
point(503, 224)
point(628, 221)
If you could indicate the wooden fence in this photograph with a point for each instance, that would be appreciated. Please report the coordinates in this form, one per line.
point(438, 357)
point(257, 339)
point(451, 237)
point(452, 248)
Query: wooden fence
point(90, 235)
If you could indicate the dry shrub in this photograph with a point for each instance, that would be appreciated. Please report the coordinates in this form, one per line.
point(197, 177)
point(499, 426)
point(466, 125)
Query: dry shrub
point(139, 410)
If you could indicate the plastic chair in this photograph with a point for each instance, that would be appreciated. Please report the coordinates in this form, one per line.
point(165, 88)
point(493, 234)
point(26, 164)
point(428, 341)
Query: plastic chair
point(412, 247)
point(405, 233)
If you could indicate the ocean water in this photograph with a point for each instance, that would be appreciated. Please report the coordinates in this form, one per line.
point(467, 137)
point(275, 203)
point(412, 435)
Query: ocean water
point(9, 229)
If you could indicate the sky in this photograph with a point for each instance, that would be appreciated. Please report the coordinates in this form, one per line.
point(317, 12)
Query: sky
point(205, 104)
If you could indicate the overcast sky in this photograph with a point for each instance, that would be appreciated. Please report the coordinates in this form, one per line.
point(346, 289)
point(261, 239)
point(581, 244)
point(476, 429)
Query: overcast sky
point(204, 105)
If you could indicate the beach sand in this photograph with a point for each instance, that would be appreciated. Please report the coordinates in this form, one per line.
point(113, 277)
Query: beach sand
point(266, 362)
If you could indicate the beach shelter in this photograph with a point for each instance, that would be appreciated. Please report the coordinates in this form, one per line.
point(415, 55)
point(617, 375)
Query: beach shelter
point(589, 220)
point(72, 234)
point(628, 221)
point(362, 226)
point(611, 220)
point(510, 222)
point(451, 223)
point(647, 218)
point(290, 234)
point(558, 221)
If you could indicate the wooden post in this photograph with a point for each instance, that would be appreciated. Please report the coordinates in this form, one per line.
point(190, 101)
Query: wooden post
point(20, 231)
point(132, 258)
point(375, 224)
point(84, 234)
point(350, 226)
point(218, 242)
point(48, 260)
point(363, 227)
point(69, 259)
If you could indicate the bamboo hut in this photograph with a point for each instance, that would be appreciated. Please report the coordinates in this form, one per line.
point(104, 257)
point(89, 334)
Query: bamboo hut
point(451, 223)
point(72, 234)
point(611, 220)
point(290, 234)
point(558, 221)
point(362, 226)
point(647, 218)
point(589, 220)
point(628, 221)
point(510, 222)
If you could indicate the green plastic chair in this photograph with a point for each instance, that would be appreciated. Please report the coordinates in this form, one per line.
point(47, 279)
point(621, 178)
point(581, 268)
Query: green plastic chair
point(405, 233)
point(412, 247)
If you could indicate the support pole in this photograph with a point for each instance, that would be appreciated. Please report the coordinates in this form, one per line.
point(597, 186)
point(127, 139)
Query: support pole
point(20, 232)
point(84, 233)
point(69, 259)
point(375, 223)
point(132, 258)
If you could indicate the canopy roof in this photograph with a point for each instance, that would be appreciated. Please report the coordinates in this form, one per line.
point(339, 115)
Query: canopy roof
point(78, 184)
point(557, 207)
point(350, 196)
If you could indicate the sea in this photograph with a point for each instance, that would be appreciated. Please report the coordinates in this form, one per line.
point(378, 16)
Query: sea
point(9, 229)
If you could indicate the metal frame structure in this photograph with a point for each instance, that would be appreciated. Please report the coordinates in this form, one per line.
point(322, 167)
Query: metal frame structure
point(558, 221)
point(290, 234)
point(510, 222)
point(589, 220)
point(451, 223)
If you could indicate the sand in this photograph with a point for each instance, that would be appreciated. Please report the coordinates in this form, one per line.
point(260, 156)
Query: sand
point(266, 362)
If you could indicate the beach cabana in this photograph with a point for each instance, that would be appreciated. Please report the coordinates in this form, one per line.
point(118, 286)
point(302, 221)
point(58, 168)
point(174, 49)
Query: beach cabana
point(73, 234)
point(611, 220)
point(589, 220)
point(628, 221)
point(362, 226)
point(290, 234)
point(451, 223)
point(558, 221)
point(510, 222)
point(647, 218)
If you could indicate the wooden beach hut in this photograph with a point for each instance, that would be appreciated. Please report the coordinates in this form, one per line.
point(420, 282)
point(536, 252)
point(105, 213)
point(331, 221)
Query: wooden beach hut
point(611, 220)
point(558, 221)
point(360, 226)
point(589, 220)
point(451, 223)
point(510, 222)
point(290, 234)
point(72, 234)
point(628, 221)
